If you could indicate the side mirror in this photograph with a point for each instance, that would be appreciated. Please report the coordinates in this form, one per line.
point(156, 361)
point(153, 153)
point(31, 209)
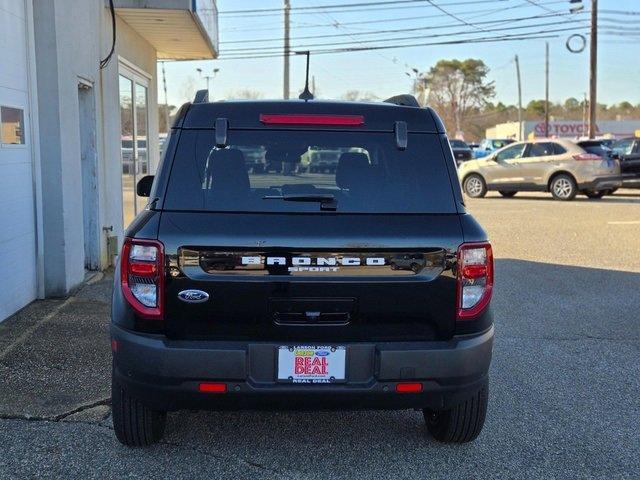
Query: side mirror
point(143, 188)
point(614, 155)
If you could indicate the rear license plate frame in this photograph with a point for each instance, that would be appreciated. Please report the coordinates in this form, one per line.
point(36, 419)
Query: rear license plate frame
point(285, 373)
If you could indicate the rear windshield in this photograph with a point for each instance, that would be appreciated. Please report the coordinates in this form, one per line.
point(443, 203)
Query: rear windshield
point(364, 172)
point(595, 148)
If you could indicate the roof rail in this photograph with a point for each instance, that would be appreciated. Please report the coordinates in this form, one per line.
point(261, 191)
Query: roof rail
point(202, 96)
point(405, 100)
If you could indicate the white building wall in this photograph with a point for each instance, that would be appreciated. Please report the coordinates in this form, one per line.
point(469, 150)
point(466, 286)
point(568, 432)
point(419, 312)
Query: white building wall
point(70, 41)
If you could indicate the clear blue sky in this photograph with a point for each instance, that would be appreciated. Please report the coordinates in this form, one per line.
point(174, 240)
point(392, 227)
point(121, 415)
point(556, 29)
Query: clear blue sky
point(384, 72)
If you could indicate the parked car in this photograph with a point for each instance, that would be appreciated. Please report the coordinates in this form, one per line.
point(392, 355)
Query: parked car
point(320, 161)
point(488, 146)
point(627, 151)
point(597, 147)
point(557, 166)
point(600, 147)
point(473, 146)
point(127, 154)
point(461, 151)
point(366, 288)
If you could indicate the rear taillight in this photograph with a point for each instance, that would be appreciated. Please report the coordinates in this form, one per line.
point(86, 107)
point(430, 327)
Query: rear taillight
point(475, 279)
point(142, 276)
point(587, 156)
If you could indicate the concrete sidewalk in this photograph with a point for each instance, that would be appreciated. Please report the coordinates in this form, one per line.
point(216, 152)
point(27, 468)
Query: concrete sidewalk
point(55, 357)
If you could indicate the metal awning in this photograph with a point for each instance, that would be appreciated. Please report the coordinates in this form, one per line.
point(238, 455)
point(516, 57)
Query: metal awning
point(177, 29)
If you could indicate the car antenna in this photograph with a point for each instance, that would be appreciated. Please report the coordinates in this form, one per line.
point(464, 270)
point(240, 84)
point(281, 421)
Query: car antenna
point(306, 94)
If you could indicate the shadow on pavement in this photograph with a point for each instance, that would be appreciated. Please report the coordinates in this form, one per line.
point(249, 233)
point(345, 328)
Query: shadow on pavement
point(563, 396)
point(564, 392)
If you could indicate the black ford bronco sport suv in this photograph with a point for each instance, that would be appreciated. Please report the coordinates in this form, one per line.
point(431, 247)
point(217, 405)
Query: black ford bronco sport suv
point(367, 287)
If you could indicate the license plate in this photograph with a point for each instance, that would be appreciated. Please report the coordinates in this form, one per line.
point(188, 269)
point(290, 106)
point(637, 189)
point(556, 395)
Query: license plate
point(311, 364)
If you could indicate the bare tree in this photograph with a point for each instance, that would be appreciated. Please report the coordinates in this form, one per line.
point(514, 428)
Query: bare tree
point(245, 93)
point(455, 87)
point(358, 96)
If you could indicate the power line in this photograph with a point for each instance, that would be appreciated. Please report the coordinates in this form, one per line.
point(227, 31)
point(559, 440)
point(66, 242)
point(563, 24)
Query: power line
point(340, 6)
point(399, 30)
point(455, 17)
point(276, 12)
point(306, 25)
point(376, 40)
point(384, 57)
point(502, 38)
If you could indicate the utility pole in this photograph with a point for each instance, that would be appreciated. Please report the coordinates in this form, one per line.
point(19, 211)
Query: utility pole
point(546, 92)
point(584, 114)
point(519, 100)
point(593, 68)
point(287, 51)
point(166, 102)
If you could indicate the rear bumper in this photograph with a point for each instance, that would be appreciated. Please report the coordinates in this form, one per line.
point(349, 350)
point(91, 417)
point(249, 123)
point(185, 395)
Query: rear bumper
point(165, 374)
point(602, 183)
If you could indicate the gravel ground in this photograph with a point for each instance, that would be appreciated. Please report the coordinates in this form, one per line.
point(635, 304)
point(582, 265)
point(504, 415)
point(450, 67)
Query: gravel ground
point(565, 393)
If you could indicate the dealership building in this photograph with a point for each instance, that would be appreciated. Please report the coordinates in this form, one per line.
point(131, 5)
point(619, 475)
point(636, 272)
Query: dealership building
point(565, 129)
point(78, 128)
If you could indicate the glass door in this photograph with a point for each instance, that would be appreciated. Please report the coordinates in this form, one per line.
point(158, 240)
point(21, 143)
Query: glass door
point(134, 129)
point(142, 129)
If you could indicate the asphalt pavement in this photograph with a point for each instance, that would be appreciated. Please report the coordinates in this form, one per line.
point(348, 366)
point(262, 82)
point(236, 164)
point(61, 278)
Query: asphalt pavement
point(564, 395)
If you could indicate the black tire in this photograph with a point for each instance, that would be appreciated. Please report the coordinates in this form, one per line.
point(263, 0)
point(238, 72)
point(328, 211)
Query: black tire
point(460, 424)
point(135, 425)
point(612, 191)
point(596, 194)
point(563, 187)
point(507, 194)
point(475, 186)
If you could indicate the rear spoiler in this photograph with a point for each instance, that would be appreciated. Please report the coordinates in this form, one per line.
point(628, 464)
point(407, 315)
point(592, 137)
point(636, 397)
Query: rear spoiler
point(403, 100)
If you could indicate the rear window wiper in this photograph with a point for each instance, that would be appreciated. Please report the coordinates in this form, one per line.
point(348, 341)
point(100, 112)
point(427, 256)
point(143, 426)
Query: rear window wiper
point(326, 200)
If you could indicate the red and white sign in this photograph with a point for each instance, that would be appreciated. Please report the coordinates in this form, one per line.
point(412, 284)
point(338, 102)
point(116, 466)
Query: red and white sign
point(311, 364)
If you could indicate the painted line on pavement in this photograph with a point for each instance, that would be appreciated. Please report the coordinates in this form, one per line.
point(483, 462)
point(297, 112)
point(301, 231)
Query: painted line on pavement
point(29, 331)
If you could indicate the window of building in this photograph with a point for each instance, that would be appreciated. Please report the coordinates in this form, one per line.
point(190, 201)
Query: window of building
point(11, 126)
point(134, 124)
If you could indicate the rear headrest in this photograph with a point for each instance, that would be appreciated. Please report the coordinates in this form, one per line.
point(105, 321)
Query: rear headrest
point(228, 173)
point(352, 168)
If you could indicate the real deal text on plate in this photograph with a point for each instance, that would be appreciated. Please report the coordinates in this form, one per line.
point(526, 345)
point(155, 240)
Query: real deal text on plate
point(311, 366)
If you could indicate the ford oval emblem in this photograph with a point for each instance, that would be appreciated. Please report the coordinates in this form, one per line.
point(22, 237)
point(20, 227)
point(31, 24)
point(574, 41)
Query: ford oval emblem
point(322, 353)
point(193, 296)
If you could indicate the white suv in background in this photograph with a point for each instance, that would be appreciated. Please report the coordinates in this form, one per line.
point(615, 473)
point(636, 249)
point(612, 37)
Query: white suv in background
point(546, 165)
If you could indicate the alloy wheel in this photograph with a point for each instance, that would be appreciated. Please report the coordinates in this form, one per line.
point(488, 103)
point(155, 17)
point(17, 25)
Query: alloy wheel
point(562, 188)
point(474, 186)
